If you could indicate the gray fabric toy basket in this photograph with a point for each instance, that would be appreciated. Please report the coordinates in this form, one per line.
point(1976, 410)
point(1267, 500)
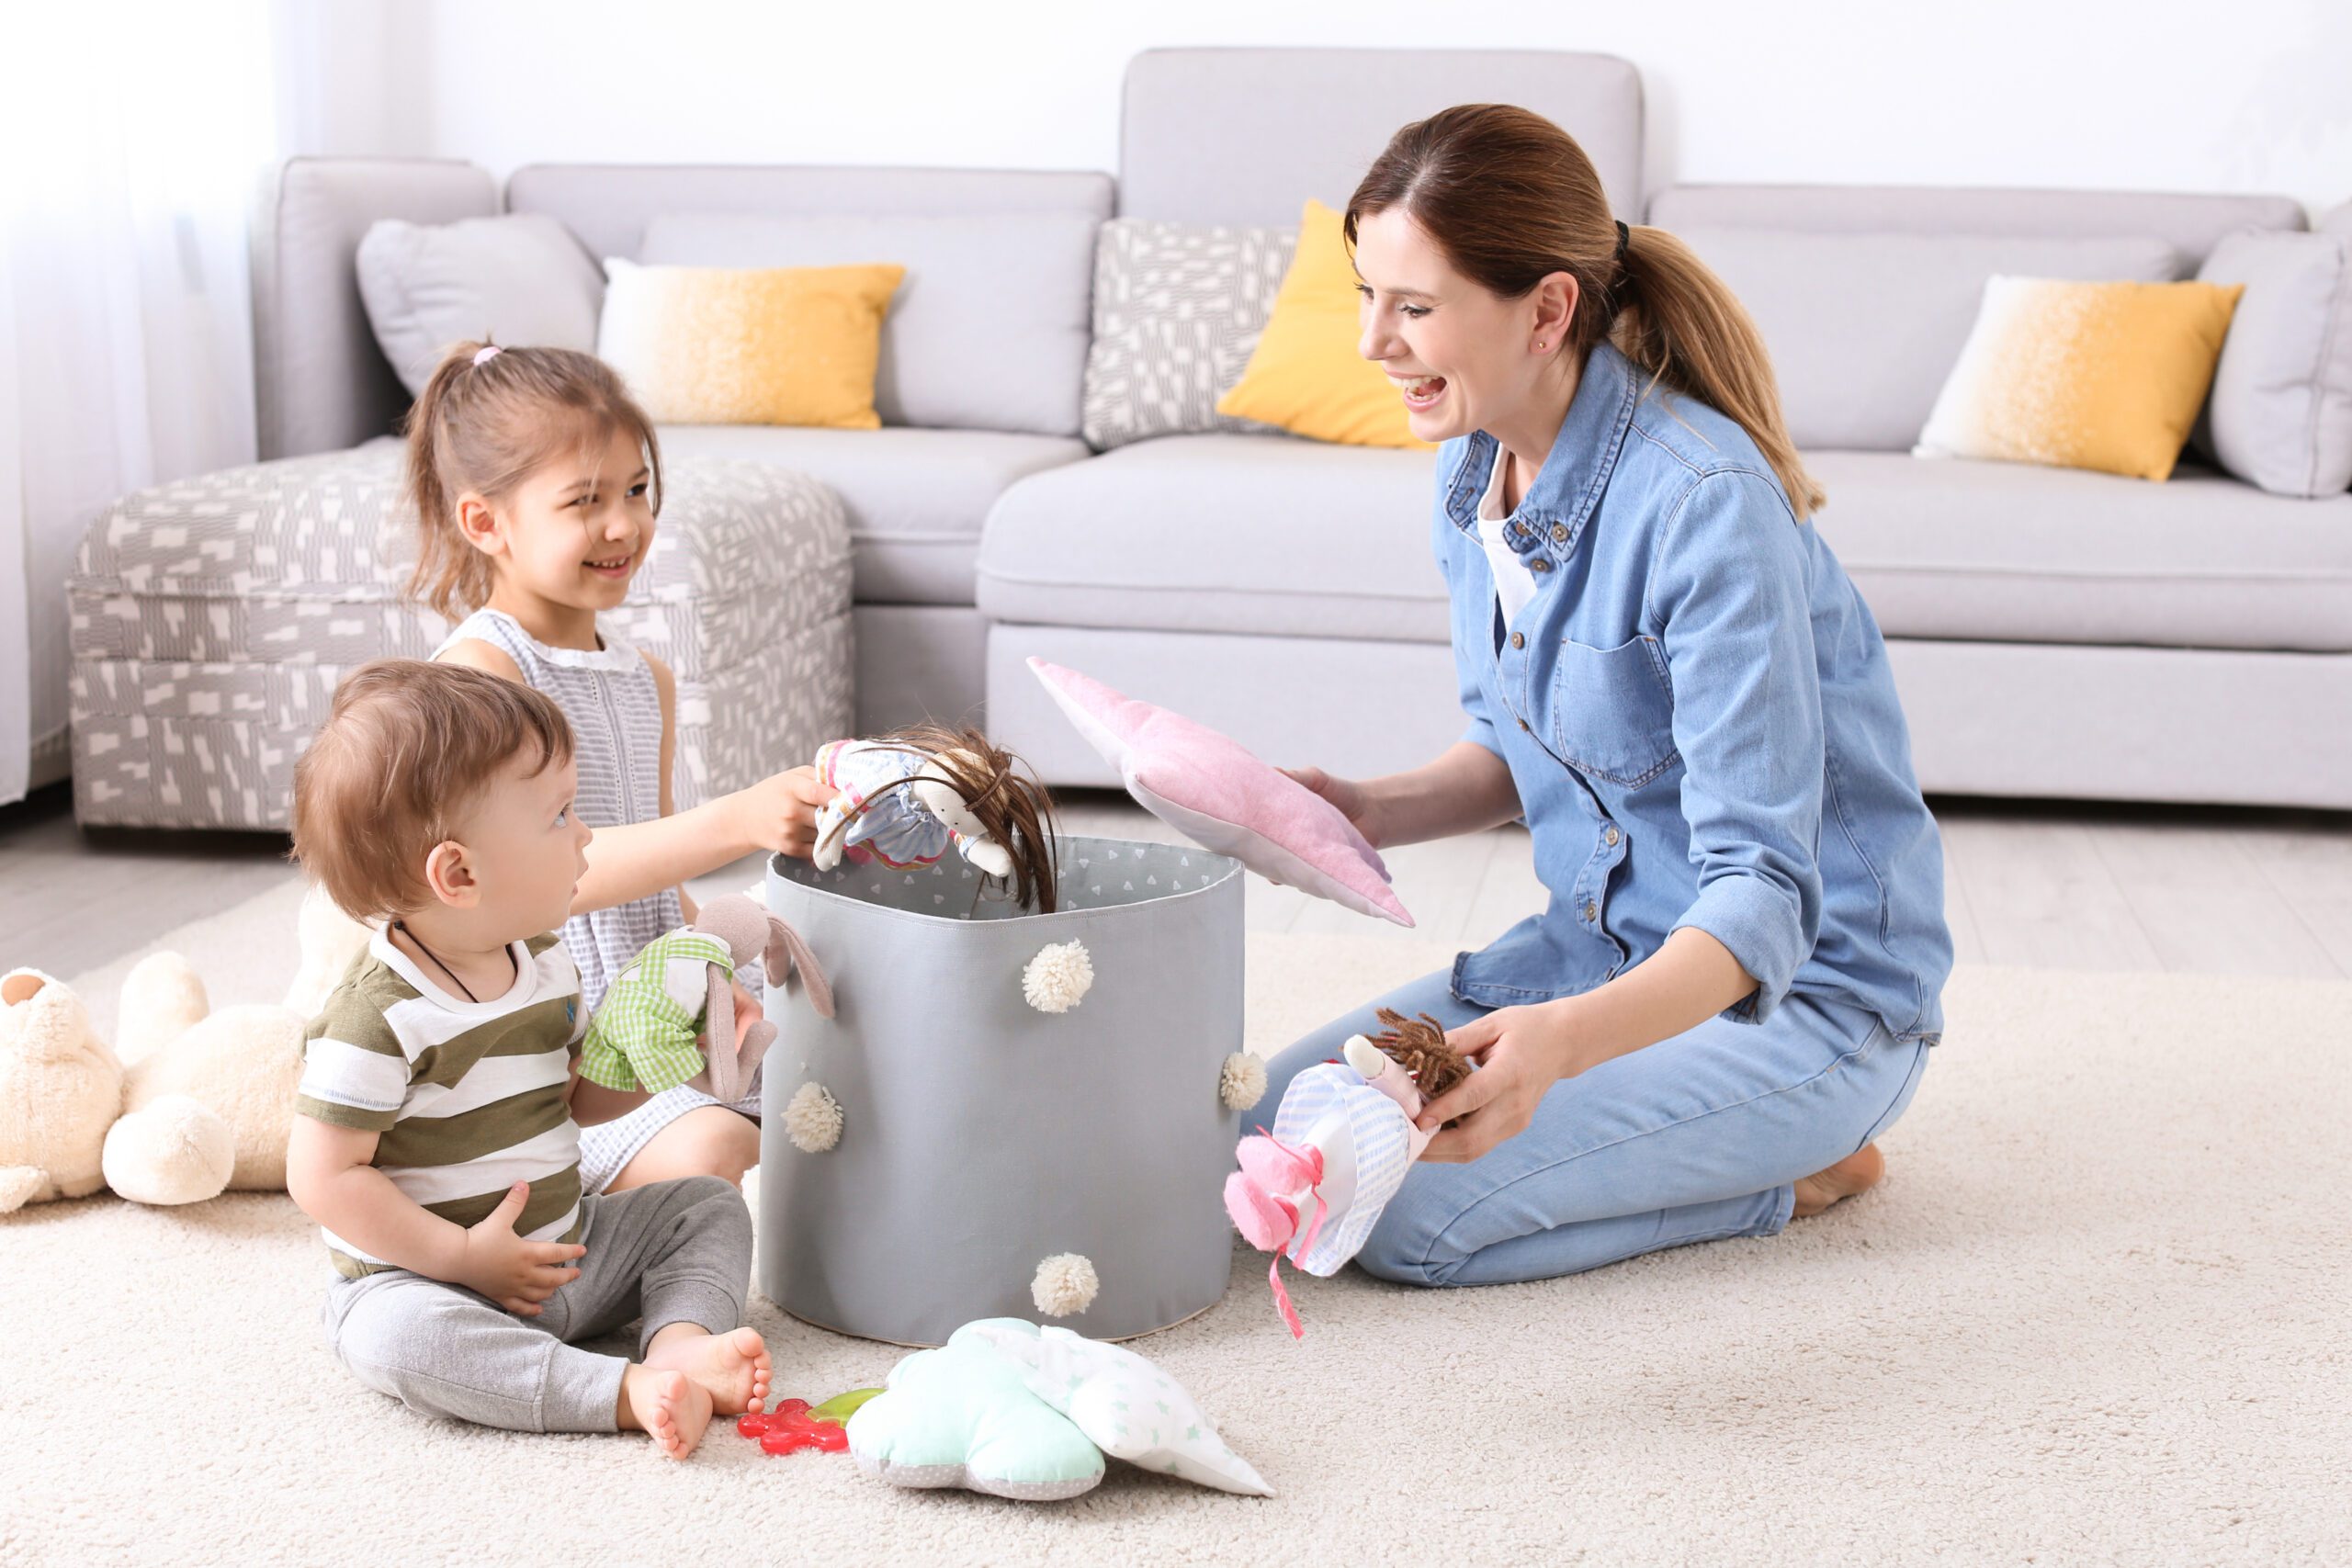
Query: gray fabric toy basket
point(980, 1137)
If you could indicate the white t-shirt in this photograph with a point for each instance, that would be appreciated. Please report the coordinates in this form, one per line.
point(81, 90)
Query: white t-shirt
point(1515, 584)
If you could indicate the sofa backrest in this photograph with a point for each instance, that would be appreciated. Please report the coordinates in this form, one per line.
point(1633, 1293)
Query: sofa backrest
point(324, 384)
point(1865, 294)
point(989, 329)
point(1244, 136)
point(320, 382)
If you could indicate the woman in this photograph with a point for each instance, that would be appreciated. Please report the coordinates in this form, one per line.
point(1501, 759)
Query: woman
point(1669, 676)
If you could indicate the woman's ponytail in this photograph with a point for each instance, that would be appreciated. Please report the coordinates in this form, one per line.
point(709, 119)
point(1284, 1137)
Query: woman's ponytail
point(1679, 321)
point(1511, 199)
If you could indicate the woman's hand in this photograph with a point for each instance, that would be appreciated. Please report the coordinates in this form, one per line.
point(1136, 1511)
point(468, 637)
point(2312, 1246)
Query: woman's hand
point(1355, 802)
point(1522, 1052)
point(779, 813)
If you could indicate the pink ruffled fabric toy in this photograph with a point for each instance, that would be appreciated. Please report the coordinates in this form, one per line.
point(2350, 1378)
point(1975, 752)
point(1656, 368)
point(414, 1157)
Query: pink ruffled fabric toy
point(1312, 1190)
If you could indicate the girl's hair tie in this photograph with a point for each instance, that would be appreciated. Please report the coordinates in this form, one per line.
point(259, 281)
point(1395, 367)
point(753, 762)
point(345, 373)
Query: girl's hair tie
point(485, 354)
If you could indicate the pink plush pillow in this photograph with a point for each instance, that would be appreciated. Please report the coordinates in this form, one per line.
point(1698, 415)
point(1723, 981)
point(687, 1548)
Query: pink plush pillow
point(1212, 790)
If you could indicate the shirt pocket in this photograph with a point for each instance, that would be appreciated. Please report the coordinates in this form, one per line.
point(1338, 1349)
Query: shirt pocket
point(1612, 711)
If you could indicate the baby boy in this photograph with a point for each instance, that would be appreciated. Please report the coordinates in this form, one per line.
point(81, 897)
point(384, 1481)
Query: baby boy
point(438, 1137)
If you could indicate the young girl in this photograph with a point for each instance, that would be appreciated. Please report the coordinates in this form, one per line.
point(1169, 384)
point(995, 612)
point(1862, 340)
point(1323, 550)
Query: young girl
point(537, 480)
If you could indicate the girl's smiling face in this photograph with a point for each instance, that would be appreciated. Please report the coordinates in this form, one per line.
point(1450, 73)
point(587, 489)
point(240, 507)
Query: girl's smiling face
point(1461, 356)
point(572, 534)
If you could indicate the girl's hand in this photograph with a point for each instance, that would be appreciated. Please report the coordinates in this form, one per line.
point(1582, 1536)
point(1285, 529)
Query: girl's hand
point(516, 1274)
point(1355, 802)
point(1522, 1052)
point(779, 813)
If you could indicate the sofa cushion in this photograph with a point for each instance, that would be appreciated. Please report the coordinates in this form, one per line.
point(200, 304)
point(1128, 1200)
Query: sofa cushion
point(520, 281)
point(1863, 329)
point(2280, 413)
point(2006, 552)
point(1259, 533)
point(915, 498)
point(989, 329)
point(1178, 307)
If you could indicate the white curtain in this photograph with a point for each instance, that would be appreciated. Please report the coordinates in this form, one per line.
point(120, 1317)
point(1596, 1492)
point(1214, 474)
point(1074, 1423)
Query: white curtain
point(133, 137)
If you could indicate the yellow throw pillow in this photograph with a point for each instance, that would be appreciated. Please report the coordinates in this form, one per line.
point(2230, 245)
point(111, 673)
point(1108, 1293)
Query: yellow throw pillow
point(770, 345)
point(1305, 375)
point(2104, 376)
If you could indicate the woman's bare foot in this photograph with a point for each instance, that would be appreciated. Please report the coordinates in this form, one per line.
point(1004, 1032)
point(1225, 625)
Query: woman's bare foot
point(1858, 1172)
point(668, 1406)
point(731, 1368)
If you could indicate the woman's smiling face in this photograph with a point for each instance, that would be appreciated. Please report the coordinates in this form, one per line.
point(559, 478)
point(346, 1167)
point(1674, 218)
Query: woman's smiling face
point(1461, 357)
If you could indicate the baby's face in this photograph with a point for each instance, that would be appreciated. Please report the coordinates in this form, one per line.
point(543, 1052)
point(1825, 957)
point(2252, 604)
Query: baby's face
point(525, 848)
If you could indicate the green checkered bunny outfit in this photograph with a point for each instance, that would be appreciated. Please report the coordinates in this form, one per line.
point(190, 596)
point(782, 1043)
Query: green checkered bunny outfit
point(643, 1032)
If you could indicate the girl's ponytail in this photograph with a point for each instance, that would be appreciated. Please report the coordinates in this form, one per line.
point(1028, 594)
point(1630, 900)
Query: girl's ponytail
point(1511, 199)
point(451, 575)
point(1679, 321)
point(487, 418)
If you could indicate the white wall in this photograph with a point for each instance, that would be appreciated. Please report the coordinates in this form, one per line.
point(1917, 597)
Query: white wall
point(2152, 95)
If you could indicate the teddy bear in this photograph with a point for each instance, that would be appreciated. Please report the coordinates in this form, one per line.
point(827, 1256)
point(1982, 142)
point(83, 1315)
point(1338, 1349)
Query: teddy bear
point(188, 1104)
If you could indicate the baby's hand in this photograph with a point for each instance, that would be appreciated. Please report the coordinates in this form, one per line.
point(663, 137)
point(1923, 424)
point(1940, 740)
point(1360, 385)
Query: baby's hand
point(516, 1274)
point(779, 813)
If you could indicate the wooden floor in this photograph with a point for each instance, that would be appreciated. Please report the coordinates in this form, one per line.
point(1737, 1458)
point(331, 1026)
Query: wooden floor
point(2041, 884)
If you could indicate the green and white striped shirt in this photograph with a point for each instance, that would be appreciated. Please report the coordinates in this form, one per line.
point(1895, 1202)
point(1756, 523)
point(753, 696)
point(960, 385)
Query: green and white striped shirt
point(469, 1096)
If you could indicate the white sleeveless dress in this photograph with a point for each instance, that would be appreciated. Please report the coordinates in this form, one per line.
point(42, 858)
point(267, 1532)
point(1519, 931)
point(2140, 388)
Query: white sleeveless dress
point(614, 709)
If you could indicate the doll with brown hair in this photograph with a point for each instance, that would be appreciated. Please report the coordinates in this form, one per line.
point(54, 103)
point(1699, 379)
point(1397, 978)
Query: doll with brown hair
point(907, 798)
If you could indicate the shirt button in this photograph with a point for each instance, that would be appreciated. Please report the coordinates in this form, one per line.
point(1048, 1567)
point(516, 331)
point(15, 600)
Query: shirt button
point(1539, 563)
point(1591, 910)
point(1519, 640)
point(1523, 723)
point(1559, 533)
point(1609, 837)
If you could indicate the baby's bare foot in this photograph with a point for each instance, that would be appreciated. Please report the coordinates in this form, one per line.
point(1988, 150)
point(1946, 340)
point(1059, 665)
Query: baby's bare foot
point(671, 1407)
point(1858, 1172)
point(732, 1368)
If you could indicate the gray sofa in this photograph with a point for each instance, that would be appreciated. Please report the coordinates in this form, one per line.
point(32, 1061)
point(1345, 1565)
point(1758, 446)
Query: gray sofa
point(2055, 633)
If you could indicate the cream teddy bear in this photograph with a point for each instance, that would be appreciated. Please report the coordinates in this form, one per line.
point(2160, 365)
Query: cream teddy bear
point(196, 1102)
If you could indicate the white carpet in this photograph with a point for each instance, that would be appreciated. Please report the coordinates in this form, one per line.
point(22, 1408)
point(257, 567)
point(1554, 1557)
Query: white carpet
point(2096, 1313)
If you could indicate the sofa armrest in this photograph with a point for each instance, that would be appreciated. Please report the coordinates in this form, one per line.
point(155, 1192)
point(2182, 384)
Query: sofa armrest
point(320, 382)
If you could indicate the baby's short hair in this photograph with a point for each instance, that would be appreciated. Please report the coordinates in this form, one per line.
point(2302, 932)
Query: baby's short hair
point(408, 747)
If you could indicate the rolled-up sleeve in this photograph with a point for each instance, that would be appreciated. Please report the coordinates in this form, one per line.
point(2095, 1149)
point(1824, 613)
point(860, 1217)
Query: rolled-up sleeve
point(1729, 587)
point(1443, 539)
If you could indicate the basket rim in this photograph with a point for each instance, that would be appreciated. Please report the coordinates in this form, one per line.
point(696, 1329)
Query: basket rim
point(1232, 869)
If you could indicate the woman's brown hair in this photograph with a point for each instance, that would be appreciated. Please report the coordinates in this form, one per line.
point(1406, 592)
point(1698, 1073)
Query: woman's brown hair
point(1511, 199)
point(484, 422)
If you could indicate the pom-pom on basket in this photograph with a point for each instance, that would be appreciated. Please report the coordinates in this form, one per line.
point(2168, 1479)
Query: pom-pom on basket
point(980, 1134)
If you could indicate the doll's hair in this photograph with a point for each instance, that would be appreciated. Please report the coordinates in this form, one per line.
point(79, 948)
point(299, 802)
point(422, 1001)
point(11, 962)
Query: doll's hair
point(1418, 1045)
point(1011, 804)
point(486, 421)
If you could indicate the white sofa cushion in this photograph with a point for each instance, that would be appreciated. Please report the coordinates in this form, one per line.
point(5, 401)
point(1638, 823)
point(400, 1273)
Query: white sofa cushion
point(517, 281)
point(916, 499)
point(1222, 534)
point(2010, 552)
point(2281, 411)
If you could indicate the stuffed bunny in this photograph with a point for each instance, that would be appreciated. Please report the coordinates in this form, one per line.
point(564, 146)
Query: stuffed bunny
point(683, 984)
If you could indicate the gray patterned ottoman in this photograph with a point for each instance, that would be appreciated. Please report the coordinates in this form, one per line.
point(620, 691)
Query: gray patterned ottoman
point(211, 619)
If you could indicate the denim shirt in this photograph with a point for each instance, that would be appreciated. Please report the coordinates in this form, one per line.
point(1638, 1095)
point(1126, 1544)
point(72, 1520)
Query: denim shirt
point(1697, 710)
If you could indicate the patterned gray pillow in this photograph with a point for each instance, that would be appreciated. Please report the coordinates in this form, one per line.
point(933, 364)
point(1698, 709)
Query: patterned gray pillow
point(1178, 307)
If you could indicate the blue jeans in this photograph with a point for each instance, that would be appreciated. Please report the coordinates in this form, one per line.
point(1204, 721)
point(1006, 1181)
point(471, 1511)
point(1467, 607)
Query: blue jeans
point(1694, 1138)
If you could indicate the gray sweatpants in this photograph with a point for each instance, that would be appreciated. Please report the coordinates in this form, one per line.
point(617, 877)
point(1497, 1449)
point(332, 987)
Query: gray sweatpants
point(674, 1252)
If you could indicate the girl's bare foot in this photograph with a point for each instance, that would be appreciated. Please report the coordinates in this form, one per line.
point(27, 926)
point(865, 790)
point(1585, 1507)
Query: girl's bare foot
point(731, 1368)
point(668, 1406)
point(1858, 1172)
